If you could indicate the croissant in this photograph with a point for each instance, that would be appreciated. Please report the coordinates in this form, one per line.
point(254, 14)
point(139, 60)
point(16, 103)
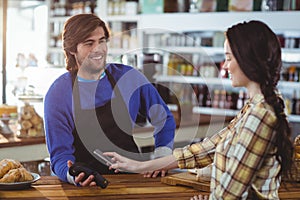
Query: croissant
point(12, 176)
point(8, 164)
point(25, 175)
point(16, 175)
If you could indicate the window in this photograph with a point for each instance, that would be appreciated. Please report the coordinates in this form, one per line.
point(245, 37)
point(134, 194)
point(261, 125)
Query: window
point(26, 40)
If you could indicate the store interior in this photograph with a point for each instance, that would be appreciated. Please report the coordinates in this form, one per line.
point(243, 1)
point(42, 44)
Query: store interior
point(178, 45)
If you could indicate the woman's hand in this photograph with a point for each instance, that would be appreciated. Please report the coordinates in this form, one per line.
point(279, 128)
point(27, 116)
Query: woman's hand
point(121, 163)
point(150, 168)
point(154, 174)
point(78, 179)
point(200, 197)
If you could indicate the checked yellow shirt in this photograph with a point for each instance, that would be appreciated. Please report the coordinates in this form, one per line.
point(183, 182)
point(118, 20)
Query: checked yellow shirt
point(242, 155)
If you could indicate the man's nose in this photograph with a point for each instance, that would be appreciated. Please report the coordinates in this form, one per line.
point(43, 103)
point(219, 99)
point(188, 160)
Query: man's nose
point(98, 47)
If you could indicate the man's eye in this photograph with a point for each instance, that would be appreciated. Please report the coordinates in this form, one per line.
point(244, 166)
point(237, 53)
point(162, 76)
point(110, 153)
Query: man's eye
point(102, 41)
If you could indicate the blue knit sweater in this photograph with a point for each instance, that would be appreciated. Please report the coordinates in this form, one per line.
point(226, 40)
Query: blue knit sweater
point(134, 87)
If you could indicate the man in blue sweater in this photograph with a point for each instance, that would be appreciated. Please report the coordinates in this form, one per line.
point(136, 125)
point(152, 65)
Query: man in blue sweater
point(95, 105)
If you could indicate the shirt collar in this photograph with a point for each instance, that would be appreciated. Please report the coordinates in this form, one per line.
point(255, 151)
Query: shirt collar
point(87, 80)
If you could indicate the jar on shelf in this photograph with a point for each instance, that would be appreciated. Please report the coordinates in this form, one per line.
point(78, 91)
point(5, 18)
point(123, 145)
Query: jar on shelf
point(30, 117)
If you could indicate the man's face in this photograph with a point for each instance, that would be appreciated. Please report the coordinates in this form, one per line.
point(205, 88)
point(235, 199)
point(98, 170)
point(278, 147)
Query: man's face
point(91, 54)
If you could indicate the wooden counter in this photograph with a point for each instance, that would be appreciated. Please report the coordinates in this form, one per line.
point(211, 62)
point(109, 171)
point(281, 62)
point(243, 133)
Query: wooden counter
point(23, 149)
point(129, 186)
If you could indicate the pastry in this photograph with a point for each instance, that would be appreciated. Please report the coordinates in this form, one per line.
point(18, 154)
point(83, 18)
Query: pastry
point(31, 123)
point(25, 175)
point(11, 176)
point(32, 132)
point(16, 175)
point(8, 164)
point(26, 124)
point(35, 120)
point(12, 171)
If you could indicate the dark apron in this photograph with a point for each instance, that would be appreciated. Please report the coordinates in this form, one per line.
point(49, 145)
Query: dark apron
point(106, 127)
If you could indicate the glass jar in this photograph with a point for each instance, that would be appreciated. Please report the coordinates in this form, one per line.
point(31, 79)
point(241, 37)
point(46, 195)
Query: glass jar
point(30, 116)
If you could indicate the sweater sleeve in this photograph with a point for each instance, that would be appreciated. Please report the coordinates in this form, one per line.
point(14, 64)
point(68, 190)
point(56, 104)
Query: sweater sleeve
point(59, 126)
point(159, 116)
point(200, 154)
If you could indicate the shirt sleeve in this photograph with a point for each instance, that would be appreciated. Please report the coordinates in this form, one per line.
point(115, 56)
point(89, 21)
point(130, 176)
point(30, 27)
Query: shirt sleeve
point(58, 127)
point(254, 139)
point(160, 117)
point(143, 96)
point(200, 154)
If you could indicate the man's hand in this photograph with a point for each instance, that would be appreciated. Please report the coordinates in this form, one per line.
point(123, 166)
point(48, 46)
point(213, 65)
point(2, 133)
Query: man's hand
point(79, 179)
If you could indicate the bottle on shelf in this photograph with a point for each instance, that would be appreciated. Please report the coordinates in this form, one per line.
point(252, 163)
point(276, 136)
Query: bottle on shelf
point(241, 99)
point(195, 95)
point(208, 101)
point(295, 104)
point(216, 100)
point(223, 103)
point(229, 103)
point(201, 95)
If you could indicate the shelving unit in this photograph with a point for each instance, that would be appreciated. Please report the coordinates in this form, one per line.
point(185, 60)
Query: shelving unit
point(182, 23)
point(129, 48)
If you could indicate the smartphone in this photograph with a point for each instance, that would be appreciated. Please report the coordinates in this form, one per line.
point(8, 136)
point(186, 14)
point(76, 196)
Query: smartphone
point(104, 159)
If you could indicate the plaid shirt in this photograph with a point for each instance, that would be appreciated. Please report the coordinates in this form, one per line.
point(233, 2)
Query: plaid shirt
point(242, 155)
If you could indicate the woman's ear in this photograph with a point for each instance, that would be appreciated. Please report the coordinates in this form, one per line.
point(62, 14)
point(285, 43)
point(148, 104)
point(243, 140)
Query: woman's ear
point(72, 53)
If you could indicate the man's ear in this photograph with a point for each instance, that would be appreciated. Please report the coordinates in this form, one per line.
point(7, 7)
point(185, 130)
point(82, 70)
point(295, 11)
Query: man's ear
point(72, 53)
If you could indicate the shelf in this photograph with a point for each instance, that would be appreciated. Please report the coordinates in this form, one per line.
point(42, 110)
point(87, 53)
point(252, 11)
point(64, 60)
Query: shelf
point(218, 21)
point(215, 111)
point(231, 113)
point(291, 55)
point(121, 51)
point(55, 50)
point(193, 80)
point(210, 51)
point(289, 85)
point(61, 19)
point(294, 118)
point(214, 81)
point(122, 18)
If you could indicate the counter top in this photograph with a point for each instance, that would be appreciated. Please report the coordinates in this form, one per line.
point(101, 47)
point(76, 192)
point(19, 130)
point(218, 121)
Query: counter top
point(129, 186)
point(125, 186)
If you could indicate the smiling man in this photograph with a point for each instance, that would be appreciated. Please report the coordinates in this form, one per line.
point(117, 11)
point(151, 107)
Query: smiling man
point(95, 105)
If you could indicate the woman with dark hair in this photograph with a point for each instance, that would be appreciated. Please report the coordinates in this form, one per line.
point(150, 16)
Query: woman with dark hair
point(95, 105)
point(254, 151)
